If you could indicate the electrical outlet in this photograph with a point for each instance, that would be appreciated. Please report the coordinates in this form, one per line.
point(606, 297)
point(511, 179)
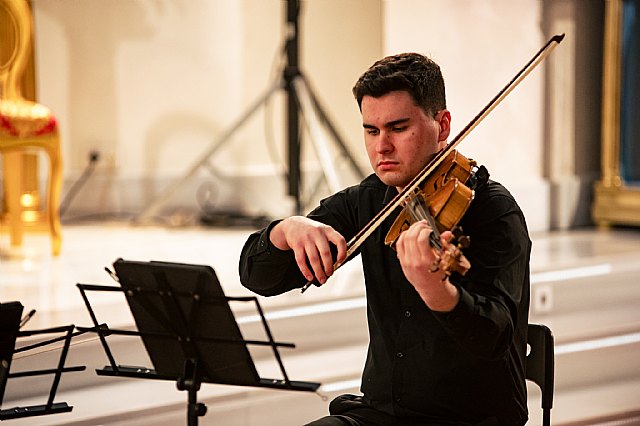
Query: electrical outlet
point(542, 298)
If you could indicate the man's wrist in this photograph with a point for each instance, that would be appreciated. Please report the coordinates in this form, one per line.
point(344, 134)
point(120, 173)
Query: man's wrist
point(277, 238)
point(446, 298)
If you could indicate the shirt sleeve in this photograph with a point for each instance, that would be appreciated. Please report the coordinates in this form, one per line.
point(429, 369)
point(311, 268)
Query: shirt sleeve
point(265, 269)
point(269, 271)
point(494, 295)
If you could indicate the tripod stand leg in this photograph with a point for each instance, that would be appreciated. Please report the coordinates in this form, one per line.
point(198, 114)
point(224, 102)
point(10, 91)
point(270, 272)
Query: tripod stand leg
point(322, 150)
point(331, 128)
point(314, 116)
point(156, 204)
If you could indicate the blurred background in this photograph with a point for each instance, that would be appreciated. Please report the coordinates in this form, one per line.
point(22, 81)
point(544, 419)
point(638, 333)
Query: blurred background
point(176, 142)
point(151, 85)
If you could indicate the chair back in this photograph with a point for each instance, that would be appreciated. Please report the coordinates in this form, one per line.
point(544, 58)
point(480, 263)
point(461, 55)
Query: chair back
point(16, 33)
point(540, 365)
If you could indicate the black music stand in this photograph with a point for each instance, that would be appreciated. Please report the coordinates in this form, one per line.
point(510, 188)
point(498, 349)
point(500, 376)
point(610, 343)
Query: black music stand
point(10, 322)
point(188, 330)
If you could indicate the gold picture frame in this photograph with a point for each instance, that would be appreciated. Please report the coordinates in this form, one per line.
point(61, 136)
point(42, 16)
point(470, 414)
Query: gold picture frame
point(616, 202)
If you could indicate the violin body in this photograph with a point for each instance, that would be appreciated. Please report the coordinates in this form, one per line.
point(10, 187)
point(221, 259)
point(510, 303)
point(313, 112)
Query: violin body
point(454, 166)
point(444, 193)
point(443, 199)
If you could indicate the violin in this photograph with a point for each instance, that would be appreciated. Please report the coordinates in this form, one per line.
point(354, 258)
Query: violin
point(442, 200)
point(447, 186)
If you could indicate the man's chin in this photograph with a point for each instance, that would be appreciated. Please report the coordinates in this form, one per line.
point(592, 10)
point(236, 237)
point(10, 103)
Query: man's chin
point(391, 179)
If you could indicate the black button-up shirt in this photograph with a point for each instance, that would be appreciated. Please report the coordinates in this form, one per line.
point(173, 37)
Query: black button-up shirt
point(466, 365)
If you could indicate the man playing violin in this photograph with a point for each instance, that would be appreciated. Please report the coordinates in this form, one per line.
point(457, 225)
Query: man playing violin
point(445, 348)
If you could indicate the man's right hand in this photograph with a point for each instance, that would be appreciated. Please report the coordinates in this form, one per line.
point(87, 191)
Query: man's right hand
point(311, 242)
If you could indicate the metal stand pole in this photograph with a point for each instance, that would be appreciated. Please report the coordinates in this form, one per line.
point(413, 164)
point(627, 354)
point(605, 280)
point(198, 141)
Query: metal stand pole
point(300, 100)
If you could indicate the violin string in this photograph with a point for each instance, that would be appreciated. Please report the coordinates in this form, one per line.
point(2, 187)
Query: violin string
point(420, 211)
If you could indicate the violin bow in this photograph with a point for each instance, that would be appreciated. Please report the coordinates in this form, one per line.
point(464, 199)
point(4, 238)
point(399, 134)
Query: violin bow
point(416, 182)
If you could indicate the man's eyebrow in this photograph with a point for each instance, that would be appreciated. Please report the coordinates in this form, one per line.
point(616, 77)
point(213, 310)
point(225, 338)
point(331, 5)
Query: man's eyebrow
point(394, 123)
point(388, 124)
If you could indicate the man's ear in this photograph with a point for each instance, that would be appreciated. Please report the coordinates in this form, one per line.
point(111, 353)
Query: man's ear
point(444, 120)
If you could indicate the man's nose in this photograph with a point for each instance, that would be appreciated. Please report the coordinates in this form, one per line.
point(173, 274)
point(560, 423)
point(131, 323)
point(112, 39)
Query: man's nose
point(384, 143)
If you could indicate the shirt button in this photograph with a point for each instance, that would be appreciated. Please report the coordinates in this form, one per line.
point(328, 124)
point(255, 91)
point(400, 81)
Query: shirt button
point(398, 399)
point(399, 354)
point(407, 314)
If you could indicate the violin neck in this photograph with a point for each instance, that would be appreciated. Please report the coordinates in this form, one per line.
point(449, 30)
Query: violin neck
point(418, 210)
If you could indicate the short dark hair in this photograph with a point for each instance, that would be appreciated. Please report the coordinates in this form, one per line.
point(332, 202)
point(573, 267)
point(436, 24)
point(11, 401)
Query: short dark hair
point(411, 72)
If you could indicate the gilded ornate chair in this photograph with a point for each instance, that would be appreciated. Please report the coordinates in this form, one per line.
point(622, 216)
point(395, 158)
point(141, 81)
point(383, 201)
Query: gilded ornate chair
point(25, 126)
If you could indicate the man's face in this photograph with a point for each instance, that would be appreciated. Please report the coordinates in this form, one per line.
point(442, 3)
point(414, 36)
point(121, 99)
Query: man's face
point(400, 137)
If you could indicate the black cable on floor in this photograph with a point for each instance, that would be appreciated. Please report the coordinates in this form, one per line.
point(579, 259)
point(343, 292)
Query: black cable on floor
point(94, 156)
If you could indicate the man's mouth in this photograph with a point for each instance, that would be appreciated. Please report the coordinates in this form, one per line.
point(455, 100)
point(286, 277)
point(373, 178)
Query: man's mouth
point(386, 165)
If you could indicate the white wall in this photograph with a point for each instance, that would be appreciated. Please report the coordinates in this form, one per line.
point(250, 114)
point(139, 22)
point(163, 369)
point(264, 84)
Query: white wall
point(152, 84)
point(480, 46)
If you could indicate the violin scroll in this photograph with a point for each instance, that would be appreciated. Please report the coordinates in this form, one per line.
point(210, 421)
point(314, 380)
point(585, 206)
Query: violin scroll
point(450, 258)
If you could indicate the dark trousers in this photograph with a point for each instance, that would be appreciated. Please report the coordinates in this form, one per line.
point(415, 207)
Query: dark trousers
point(351, 410)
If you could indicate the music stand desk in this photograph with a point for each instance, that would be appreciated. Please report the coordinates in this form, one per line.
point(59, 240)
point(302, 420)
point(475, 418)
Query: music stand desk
point(188, 329)
point(10, 323)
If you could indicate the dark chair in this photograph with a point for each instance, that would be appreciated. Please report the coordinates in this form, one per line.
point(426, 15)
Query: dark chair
point(539, 368)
